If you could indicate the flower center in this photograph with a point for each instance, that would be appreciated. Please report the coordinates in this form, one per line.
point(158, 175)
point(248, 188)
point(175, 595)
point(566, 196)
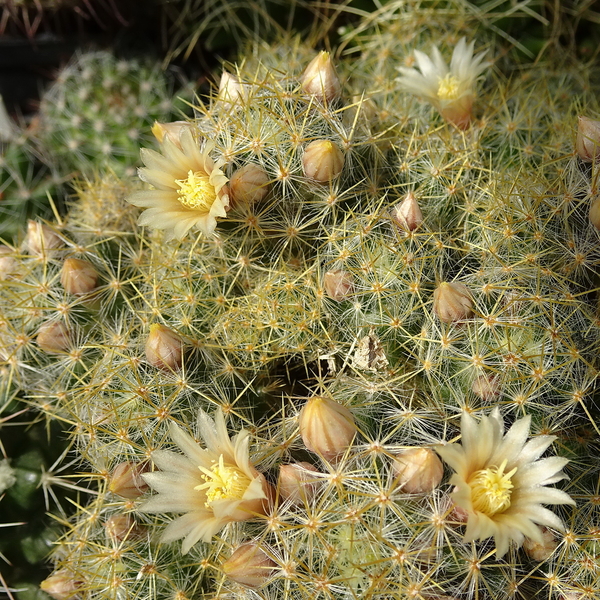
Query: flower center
point(449, 88)
point(196, 191)
point(491, 489)
point(223, 483)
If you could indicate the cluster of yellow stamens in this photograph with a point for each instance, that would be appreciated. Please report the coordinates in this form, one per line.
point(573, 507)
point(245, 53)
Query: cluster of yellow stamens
point(223, 482)
point(196, 191)
point(449, 88)
point(491, 489)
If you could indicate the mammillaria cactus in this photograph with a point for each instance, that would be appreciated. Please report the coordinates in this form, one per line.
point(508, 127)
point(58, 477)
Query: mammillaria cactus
point(280, 373)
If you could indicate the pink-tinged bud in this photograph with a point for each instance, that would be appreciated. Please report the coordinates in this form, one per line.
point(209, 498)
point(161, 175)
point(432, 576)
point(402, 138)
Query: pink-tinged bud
point(41, 238)
point(8, 264)
point(486, 387)
point(126, 480)
point(540, 550)
point(54, 337)
point(339, 285)
point(172, 131)
point(63, 585)
point(249, 184)
point(459, 112)
point(230, 89)
point(249, 565)
point(595, 212)
point(296, 484)
point(122, 527)
point(164, 348)
point(418, 470)
point(452, 302)
point(320, 79)
point(588, 139)
point(326, 427)
point(322, 161)
point(408, 214)
point(78, 277)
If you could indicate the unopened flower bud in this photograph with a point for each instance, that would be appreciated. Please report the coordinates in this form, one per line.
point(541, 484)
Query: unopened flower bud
point(320, 79)
point(249, 565)
point(126, 480)
point(452, 302)
point(78, 277)
point(322, 161)
point(296, 484)
point(41, 238)
point(63, 585)
point(588, 139)
point(53, 337)
point(486, 387)
point(338, 284)
point(326, 427)
point(164, 348)
point(249, 184)
point(8, 264)
point(170, 130)
point(418, 470)
point(595, 212)
point(540, 550)
point(122, 527)
point(230, 88)
point(408, 214)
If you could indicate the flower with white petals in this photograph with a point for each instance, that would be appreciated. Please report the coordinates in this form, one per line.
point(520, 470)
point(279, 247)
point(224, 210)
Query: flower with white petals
point(450, 89)
point(211, 487)
point(500, 483)
point(189, 187)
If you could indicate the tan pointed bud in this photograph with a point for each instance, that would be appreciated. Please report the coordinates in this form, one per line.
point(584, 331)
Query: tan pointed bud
point(326, 427)
point(322, 161)
point(120, 528)
point(588, 139)
point(407, 214)
point(249, 565)
point(8, 263)
point(320, 79)
point(541, 549)
point(249, 184)
point(486, 387)
point(41, 238)
point(418, 470)
point(296, 484)
point(452, 302)
point(230, 89)
point(172, 131)
point(126, 480)
point(78, 277)
point(338, 284)
point(164, 348)
point(594, 212)
point(54, 337)
point(62, 585)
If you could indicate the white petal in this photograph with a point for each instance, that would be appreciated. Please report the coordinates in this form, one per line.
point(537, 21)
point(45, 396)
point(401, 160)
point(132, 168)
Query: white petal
point(539, 472)
point(533, 449)
point(189, 446)
point(540, 495)
point(511, 446)
point(151, 198)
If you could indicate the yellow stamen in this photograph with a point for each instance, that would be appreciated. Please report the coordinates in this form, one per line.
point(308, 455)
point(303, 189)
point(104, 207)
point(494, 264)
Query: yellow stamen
point(196, 191)
point(449, 88)
point(223, 483)
point(491, 489)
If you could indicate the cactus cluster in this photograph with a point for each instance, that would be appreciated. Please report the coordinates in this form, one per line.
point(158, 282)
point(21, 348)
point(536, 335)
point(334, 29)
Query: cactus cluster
point(333, 285)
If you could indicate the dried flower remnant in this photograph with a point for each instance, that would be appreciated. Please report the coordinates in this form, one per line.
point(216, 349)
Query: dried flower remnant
point(499, 482)
point(164, 348)
point(190, 188)
point(450, 89)
point(418, 470)
point(588, 139)
point(322, 161)
point(249, 565)
point(211, 486)
point(369, 354)
point(452, 302)
point(320, 80)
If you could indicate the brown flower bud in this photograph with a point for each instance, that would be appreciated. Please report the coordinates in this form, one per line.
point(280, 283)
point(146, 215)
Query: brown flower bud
point(249, 565)
point(296, 484)
point(542, 549)
point(326, 427)
point(78, 277)
point(322, 161)
point(54, 337)
point(170, 130)
point(588, 139)
point(486, 387)
point(320, 79)
point(407, 214)
point(126, 480)
point(122, 527)
point(418, 470)
point(249, 184)
point(62, 585)
point(230, 88)
point(595, 212)
point(8, 264)
point(164, 348)
point(338, 284)
point(452, 302)
point(41, 238)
